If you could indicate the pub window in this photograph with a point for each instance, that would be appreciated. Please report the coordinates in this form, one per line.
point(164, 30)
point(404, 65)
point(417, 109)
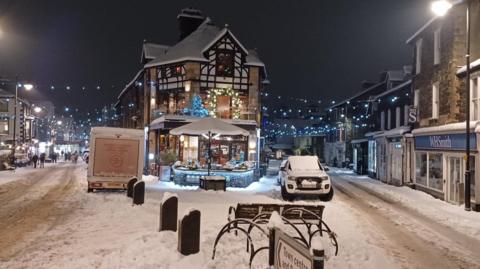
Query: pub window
point(224, 61)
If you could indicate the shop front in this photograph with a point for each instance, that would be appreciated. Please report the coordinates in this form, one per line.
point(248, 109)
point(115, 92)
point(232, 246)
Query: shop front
point(440, 165)
point(231, 156)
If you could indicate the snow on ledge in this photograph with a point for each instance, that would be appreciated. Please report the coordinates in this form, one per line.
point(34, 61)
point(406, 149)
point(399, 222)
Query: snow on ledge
point(447, 128)
point(473, 65)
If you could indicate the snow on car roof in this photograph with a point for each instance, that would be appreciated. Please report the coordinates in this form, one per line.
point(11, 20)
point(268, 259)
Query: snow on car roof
point(304, 162)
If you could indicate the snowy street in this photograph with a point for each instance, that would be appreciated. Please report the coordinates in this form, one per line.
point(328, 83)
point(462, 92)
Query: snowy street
point(48, 220)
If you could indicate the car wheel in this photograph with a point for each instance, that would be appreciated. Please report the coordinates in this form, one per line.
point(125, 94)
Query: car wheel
point(327, 197)
point(89, 190)
point(285, 195)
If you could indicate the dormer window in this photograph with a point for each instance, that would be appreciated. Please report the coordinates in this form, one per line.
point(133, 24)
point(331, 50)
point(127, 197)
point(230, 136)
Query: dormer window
point(224, 61)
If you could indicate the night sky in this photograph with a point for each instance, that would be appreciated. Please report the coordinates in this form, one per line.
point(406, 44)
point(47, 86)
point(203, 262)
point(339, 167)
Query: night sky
point(316, 49)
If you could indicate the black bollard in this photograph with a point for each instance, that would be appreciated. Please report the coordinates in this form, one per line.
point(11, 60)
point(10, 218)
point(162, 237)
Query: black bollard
point(139, 193)
point(189, 233)
point(130, 187)
point(168, 213)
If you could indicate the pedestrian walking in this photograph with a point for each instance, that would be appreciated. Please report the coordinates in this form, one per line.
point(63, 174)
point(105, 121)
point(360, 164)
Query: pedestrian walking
point(42, 160)
point(54, 157)
point(34, 160)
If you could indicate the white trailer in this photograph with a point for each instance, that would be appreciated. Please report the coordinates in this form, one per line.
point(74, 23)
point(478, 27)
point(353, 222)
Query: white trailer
point(116, 155)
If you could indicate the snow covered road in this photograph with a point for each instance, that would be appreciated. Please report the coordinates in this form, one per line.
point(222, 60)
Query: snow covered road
point(413, 239)
point(35, 202)
point(48, 220)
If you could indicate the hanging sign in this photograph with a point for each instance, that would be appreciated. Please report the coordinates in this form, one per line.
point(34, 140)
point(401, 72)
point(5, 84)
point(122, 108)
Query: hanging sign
point(412, 114)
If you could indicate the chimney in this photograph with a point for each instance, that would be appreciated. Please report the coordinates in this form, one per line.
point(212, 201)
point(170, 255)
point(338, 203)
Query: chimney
point(188, 21)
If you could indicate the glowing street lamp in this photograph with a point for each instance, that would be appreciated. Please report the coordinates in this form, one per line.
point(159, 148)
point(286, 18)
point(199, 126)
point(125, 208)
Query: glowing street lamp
point(441, 7)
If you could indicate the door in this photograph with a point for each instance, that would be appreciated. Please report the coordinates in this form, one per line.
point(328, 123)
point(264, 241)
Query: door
point(455, 180)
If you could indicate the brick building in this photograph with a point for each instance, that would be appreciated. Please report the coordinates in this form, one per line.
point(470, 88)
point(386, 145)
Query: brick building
point(440, 97)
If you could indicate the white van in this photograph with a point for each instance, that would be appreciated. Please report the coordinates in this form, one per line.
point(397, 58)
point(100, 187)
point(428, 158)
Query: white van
point(304, 175)
point(116, 155)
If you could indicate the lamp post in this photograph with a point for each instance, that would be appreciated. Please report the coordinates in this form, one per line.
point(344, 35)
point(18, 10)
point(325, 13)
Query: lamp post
point(440, 8)
point(26, 87)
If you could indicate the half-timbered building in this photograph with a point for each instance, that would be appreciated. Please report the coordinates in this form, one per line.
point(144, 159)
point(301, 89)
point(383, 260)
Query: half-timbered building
point(207, 73)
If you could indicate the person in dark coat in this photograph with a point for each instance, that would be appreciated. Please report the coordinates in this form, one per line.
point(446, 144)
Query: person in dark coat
point(34, 160)
point(42, 160)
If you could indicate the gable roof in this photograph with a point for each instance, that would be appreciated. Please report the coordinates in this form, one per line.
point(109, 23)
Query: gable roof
point(151, 51)
point(194, 45)
point(391, 75)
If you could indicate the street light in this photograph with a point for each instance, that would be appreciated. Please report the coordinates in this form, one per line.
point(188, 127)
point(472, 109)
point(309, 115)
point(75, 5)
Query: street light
point(27, 87)
point(440, 8)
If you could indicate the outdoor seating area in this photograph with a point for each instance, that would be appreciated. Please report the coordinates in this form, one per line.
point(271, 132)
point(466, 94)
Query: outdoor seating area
point(212, 147)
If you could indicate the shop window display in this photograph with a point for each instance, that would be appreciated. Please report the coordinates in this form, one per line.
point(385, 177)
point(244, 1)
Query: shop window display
point(435, 171)
point(421, 168)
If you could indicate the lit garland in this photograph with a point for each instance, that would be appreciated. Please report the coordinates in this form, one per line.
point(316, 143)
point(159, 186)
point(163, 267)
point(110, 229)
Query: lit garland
point(212, 102)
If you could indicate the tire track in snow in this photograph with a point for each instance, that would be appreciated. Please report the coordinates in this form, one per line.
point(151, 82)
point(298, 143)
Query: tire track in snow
point(23, 224)
point(404, 243)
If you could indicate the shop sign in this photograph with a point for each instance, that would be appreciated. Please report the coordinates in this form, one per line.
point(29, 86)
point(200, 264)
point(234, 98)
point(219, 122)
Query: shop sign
point(448, 142)
point(412, 114)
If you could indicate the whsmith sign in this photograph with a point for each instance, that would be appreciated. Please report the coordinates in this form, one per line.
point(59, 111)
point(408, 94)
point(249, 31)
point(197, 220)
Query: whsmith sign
point(287, 253)
point(446, 142)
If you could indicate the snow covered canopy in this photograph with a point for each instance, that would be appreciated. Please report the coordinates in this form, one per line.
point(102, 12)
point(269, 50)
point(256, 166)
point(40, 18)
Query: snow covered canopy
point(212, 125)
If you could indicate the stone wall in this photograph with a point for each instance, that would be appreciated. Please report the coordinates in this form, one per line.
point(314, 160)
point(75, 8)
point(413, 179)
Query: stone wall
point(452, 50)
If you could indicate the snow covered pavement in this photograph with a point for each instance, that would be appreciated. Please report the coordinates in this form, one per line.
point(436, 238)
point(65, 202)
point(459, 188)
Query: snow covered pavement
point(75, 229)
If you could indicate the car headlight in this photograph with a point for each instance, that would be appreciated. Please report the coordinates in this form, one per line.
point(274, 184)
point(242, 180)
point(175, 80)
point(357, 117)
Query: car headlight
point(324, 178)
point(291, 178)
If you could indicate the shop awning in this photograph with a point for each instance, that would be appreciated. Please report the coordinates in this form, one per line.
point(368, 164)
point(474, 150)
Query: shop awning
point(209, 125)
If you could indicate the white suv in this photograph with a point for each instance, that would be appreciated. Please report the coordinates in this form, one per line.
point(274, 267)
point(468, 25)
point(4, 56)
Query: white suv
point(304, 175)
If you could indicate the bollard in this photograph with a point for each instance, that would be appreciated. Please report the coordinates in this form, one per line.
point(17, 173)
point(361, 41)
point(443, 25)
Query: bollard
point(318, 258)
point(168, 212)
point(139, 193)
point(130, 187)
point(189, 233)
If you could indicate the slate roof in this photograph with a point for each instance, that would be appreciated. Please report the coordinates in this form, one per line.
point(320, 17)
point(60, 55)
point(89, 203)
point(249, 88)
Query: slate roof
point(192, 47)
point(151, 51)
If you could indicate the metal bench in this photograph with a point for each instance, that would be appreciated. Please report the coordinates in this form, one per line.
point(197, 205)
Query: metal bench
point(255, 214)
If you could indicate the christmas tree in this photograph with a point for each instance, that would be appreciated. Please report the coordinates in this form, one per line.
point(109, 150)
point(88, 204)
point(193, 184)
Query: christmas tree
point(197, 109)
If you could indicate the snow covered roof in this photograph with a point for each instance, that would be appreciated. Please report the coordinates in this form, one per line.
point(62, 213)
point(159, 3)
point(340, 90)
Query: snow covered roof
point(394, 89)
point(130, 83)
point(473, 67)
point(447, 128)
point(192, 47)
point(152, 51)
point(392, 75)
point(393, 132)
